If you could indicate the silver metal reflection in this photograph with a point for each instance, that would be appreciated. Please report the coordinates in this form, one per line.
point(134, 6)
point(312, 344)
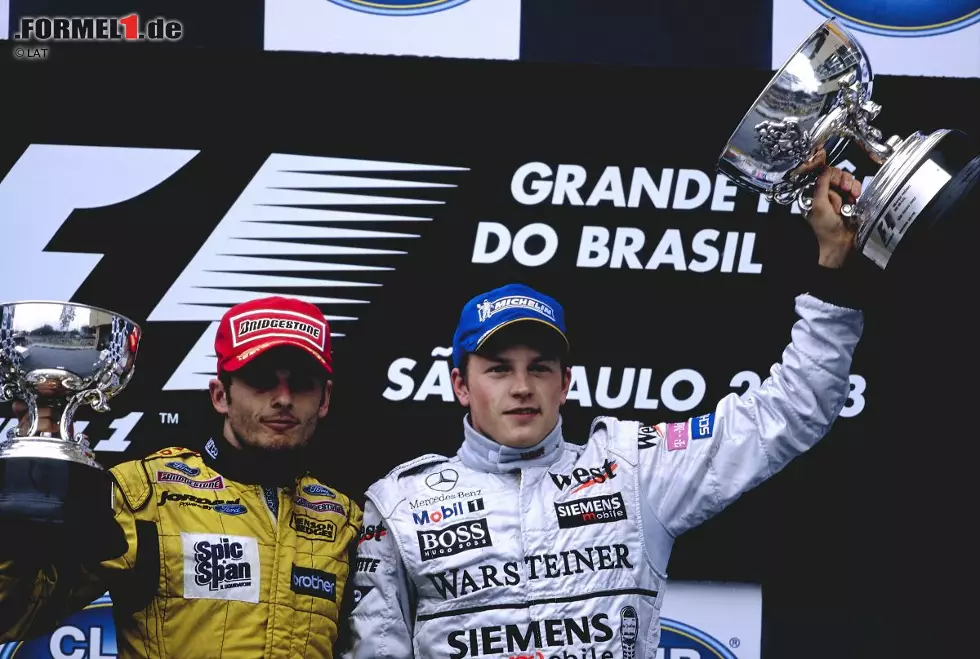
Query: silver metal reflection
point(61, 356)
point(815, 105)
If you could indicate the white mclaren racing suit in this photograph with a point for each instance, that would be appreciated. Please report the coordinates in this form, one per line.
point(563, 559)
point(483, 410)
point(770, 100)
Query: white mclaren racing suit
point(560, 551)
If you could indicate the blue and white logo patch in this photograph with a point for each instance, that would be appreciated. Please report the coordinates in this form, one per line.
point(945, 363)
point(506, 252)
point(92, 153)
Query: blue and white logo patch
point(319, 491)
point(703, 426)
point(486, 309)
point(183, 468)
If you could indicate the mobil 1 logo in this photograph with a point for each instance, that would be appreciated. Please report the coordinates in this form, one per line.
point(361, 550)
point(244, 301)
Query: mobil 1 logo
point(441, 513)
point(594, 510)
point(454, 539)
point(221, 567)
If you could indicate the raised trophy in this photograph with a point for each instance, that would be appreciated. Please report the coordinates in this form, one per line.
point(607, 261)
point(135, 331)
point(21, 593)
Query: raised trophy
point(58, 357)
point(817, 103)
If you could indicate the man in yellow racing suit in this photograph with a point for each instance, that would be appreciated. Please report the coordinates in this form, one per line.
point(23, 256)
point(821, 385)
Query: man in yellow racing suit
point(235, 551)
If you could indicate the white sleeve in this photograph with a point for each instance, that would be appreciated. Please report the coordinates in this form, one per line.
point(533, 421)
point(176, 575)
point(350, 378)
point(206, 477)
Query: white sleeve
point(692, 470)
point(381, 620)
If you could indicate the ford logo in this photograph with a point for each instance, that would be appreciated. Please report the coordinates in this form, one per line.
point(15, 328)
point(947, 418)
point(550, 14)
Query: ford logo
point(399, 7)
point(230, 509)
point(183, 468)
point(319, 491)
point(910, 18)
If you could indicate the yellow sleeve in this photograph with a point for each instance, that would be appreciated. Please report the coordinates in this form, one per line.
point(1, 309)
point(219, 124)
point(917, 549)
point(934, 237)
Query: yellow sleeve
point(34, 600)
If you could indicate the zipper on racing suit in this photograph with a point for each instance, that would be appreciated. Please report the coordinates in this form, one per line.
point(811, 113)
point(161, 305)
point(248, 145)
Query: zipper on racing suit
point(525, 575)
point(271, 497)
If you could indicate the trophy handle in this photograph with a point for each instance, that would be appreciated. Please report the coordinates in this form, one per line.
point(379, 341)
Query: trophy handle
point(11, 392)
point(94, 397)
point(857, 126)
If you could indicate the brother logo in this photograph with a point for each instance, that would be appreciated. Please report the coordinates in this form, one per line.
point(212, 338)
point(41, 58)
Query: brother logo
point(307, 581)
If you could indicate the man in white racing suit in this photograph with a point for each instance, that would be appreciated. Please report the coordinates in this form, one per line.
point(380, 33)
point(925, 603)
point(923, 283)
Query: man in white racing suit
point(523, 545)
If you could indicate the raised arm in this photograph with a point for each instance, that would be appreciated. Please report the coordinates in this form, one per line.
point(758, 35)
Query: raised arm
point(694, 469)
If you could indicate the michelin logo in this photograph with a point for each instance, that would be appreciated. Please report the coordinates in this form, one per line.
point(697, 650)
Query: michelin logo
point(486, 309)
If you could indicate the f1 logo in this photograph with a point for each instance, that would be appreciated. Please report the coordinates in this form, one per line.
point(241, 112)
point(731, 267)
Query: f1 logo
point(73, 177)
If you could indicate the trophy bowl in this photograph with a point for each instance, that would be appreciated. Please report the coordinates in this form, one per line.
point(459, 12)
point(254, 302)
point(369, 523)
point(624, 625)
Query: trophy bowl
point(799, 113)
point(818, 103)
point(57, 357)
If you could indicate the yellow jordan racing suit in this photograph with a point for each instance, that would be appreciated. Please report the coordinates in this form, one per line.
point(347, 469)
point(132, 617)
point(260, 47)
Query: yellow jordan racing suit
point(215, 567)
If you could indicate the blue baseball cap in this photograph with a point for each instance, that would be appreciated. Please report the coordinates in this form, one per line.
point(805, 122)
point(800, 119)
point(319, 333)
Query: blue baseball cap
point(489, 312)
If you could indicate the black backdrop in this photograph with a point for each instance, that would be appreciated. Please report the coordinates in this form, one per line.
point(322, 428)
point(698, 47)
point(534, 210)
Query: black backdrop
point(830, 539)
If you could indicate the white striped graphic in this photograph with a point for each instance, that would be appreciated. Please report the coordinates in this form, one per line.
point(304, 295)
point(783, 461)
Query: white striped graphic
point(236, 262)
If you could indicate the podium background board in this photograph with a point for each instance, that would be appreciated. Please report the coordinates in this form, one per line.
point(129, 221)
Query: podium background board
point(165, 185)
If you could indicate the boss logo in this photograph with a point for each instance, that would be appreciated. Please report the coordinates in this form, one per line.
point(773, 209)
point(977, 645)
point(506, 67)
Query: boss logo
point(454, 539)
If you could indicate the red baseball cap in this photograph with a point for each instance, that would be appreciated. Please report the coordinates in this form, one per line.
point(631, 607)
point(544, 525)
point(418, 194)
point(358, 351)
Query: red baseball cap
point(251, 328)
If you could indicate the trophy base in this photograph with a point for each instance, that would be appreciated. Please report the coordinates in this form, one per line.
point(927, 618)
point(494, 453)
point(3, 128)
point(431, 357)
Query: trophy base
point(52, 509)
point(48, 448)
point(906, 199)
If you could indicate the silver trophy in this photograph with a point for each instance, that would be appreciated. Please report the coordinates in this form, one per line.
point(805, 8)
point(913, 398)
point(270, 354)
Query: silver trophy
point(58, 357)
point(815, 105)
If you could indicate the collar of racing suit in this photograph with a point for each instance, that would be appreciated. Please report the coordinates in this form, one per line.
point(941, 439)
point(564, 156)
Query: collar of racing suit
point(483, 454)
point(254, 466)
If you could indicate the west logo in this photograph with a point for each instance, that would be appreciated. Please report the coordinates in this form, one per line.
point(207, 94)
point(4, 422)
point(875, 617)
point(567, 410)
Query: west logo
point(372, 532)
point(595, 510)
point(648, 437)
point(445, 512)
point(585, 477)
point(454, 539)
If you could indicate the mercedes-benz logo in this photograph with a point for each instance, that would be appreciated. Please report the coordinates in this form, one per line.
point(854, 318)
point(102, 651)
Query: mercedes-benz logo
point(444, 481)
